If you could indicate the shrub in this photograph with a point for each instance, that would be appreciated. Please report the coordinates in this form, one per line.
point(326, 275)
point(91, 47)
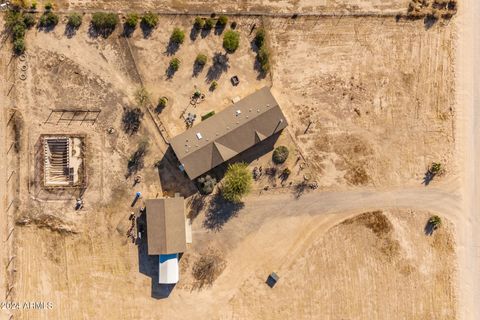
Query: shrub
point(150, 20)
point(208, 115)
point(19, 46)
point(199, 23)
point(263, 58)
point(280, 154)
point(29, 20)
point(74, 20)
point(104, 22)
point(48, 20)
point(209, 23)
point(48, 6)
point(174, 64)
point(131, 20)
point(231, 40)
point(201, 59)
point(177, 36)
point(18, 31)
point(34, 5)
point(222, 21)
point(260, 38)
point(237, 182)
point(207, 184)
point(213, 85)
point(162, 103)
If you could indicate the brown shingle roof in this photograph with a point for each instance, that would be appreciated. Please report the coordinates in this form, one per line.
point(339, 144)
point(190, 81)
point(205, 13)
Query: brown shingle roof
point(165, 225)
point(226, 134)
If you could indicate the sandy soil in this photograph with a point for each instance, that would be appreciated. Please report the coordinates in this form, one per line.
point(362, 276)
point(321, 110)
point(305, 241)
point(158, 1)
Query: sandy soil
point(379, 93)
point(404, 121)
point(270, 6)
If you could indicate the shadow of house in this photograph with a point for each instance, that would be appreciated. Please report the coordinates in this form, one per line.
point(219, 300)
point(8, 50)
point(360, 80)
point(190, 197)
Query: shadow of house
point(171, 178)
point(220, 65)
point(148, 264)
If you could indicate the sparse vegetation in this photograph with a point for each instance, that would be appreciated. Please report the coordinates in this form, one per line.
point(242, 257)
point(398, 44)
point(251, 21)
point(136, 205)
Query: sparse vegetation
point(280, 154)
point(150, 20)
point(208, 268)
point(74, 20)
point(207, 184)
point(132, 118)
point(131, 20)
point(104, 23)
point(48, 20)
point(201, 59)
point(199, 23)
point(177, 36)
point(231, 41)
point(142, 97)
point(237, 182)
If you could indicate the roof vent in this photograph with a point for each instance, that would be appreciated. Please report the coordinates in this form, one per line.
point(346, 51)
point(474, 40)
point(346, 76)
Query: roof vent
point(199, 135)
point(238, 112)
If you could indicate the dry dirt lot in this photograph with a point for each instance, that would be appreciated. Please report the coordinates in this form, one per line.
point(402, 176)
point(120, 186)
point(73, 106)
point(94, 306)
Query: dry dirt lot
point(379, 93)
point(323, 270)
point(398, 76)
point(269, 6)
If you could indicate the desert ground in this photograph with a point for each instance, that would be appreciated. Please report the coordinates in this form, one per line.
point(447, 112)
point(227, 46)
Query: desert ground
point(381, 97)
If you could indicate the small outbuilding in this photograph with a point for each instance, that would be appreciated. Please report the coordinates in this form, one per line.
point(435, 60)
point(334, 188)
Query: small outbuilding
point(166, 234)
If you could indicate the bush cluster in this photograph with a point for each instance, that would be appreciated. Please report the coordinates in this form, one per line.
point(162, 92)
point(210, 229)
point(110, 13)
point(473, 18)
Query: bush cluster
point(263, 55)
point(177, 36)
point(15, 23)
point(280, 154)
point(131, 20)
point(48, 20)
point(231, 40)
point(74, 20)
point(104, 22)
point(150, 20)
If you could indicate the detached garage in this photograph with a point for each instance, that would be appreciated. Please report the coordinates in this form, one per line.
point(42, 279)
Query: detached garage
point(166, 235)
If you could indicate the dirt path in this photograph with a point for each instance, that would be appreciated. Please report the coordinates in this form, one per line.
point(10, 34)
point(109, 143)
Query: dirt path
point(468, 98)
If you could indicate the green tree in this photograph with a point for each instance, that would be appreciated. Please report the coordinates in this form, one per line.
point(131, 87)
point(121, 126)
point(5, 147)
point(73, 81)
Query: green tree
point(222, 21)
point(177, 36)
point(280, 154)
point(231, 40)
point(198, 23)
point(237, 182)
point(19, 46)
point(201, 59)
point(150, 19)
point(132, 20)
point(18, 31)
point(264, 58)
point(260, 38)
point(74, 20)
point(209, 24)
point(174, 64)
point(29, 20)
point(49, 20)
point(435, 222)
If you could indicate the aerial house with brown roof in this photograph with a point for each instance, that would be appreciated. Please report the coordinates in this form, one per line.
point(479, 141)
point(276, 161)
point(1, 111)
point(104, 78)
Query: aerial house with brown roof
point(166, 234)
point(228, 133)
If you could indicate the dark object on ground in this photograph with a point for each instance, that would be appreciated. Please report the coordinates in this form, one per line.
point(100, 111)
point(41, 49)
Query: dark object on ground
point(272, 279)
point(280, 154)
point(235, 81)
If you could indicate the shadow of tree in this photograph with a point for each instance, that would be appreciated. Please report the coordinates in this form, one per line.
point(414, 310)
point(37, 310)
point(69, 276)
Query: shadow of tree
point(127, 31)
point(299, 189)
point(429, 175)
point(70, 31)
point(219, 212)
point(196, 204)
point(146, 30)
point(220, 65)
point(197, 68)
point(95, 33)
point(172, 48)
point(194, 32)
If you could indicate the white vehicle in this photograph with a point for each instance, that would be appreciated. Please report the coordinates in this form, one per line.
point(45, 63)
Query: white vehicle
point(168, 269)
